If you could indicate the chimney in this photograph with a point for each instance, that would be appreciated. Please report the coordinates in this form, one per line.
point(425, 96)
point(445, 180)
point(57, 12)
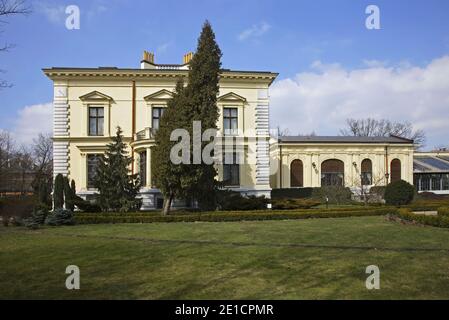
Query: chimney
point(148, 57)
point(187, 58)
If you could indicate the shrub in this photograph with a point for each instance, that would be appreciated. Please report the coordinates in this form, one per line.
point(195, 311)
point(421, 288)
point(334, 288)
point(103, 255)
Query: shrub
point(297, 193)
point(228, 216)
point(85, 206)
point(230, 200)
point(378, 191)
point(287, 204)
point(335, 194)
point(443, 211)
point(440, 221)
point(60, 217)
point(58, 192)
point(399, 193)
point(40, 213)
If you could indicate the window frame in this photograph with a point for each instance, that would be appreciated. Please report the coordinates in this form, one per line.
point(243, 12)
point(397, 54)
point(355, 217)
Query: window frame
point(89, 185)
point(229, 118)
point(161, 111)
point(97, 118)
point(234, 171)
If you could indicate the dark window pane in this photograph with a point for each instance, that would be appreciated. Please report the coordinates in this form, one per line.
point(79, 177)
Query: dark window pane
point(143, 168)
point(93, 161)
point(230, 120)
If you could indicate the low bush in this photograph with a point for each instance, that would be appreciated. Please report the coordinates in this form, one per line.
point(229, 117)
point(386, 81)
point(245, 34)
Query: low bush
point(432, 196)
point(60, 217)
point(336, 194)
point(84, 205)
point(40, 213)
point(443, 211)
point(378, 191)
point(295, 193)
point(440, 221)
point(288, 204)
point(81, 218)
point(399, 193)
point(230, 200)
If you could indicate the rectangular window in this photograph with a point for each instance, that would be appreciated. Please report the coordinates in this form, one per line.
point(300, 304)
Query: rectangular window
point(156, 117)
point(445, 181)
point(96, 121)
point(231, 170)
point(93, 161)
point(143, 168)
point(436, 182)
point(230, 121)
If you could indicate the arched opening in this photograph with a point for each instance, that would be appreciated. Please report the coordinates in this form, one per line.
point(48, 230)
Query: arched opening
point(367, 172)
point(332, 173)
point(296, 174)
point(395, 170)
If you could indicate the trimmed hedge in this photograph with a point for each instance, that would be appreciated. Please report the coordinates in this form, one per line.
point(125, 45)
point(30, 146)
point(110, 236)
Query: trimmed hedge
point(297, 193)
point(439, 221)
point(443, 211)
point(228, 216)
point(285, 204)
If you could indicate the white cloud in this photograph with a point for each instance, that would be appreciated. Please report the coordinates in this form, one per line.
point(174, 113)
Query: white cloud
point(323, 98)
point(255, 31)
point(32, 120)
point(54, 13)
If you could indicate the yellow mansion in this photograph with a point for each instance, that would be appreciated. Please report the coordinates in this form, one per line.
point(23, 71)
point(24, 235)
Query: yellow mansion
point(89, 103)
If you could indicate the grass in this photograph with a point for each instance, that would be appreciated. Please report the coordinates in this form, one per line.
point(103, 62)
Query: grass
point(296, 259)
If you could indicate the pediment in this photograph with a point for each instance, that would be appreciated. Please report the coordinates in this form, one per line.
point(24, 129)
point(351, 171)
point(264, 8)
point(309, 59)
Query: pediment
point(95, 96)
point(231, 97)
point(160, 95)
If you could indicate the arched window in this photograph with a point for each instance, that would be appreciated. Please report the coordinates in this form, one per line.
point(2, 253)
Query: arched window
point(367, 172)
point(296, 174)
point(332, 173)
point(395, 170)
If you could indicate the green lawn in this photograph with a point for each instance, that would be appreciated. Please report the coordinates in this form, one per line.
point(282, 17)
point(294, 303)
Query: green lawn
point(295, 259)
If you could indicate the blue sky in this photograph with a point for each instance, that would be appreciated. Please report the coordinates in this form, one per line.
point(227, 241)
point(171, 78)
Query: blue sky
point(305, 41)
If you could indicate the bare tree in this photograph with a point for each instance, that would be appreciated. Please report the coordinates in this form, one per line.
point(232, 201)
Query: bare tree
point(10, 8)
point(7, 150)
point(42, 152)
point(383, 128)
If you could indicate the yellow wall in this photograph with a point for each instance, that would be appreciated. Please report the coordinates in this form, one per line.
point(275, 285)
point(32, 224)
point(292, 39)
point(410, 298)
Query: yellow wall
point(349, 153)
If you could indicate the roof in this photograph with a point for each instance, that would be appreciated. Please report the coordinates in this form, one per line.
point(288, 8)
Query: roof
point(430, 163)
point(68, 72)
point(343, 139)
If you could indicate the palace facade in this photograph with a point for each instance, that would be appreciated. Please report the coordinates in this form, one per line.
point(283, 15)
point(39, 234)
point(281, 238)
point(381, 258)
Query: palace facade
point(89, 103)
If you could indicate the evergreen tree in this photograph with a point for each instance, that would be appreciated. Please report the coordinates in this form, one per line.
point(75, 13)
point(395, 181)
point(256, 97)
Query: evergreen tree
point(168, 177)
point(196, 102)
point(58, 192)
point(202, 92)
point(68, 195)
point(117, 187)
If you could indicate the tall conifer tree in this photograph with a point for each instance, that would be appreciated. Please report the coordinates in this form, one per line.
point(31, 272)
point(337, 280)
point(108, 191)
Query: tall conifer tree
point(202, 92)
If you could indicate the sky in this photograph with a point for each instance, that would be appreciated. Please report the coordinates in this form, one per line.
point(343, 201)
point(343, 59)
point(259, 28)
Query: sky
point(331, 66)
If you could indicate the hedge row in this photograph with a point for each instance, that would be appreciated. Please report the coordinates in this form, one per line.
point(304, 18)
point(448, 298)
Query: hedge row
point(229, 216)
point(440, 221)
point(426, 205)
